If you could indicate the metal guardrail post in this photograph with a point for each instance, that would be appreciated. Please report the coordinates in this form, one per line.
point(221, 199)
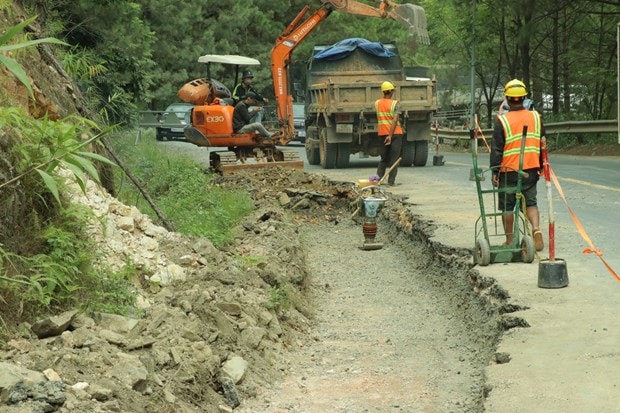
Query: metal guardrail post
point(147, 119)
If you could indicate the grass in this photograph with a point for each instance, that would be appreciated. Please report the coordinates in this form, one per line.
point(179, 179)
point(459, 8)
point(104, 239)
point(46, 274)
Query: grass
point(61, 275)
point(180, 188)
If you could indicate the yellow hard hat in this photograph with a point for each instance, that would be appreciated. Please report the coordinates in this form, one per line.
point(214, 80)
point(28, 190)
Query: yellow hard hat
point(387, 86)
point(515, 89)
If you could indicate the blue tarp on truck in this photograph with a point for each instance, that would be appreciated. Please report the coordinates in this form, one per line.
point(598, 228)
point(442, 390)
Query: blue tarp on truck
point(345, 47)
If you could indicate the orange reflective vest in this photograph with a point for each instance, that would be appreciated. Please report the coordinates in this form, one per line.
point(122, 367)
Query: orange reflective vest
point(386, 109)
point(512, 123)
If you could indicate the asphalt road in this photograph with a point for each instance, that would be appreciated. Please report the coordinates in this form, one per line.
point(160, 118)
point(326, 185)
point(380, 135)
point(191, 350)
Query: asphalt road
point(568, 359)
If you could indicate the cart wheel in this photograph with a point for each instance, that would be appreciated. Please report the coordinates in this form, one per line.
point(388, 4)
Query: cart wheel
point(528, 250)
point(483, 252)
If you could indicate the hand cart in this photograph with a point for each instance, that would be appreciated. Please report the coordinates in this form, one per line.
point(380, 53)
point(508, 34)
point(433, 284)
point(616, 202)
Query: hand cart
point(522, 247)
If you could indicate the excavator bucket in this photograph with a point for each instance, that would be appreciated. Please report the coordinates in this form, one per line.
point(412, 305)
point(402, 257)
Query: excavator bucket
point(413, 18)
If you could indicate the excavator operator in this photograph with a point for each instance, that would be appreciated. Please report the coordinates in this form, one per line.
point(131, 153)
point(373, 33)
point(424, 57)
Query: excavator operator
point(244, 87)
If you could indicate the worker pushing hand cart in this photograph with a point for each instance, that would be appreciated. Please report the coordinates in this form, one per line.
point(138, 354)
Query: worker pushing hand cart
point(522, 247)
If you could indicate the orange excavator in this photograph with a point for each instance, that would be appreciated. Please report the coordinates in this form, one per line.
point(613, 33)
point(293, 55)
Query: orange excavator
point(211, 118)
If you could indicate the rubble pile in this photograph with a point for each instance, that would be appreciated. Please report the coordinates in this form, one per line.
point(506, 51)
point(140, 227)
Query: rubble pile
point(210, 326)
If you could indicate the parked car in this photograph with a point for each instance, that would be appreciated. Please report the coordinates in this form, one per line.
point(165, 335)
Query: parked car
point(299, 120)
point(176, 113)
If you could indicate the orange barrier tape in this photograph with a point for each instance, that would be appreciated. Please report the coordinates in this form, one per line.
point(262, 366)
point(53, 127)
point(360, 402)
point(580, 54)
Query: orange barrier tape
point(581, 229)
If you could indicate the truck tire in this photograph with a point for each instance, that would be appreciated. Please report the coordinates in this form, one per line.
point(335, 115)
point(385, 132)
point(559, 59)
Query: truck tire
point(344, 153)
point(407, 153)
point(421, 153)
point(328, 151)
point(312, 153)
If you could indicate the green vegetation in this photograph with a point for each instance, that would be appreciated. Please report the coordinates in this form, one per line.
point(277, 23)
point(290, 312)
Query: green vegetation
point(62, 274)
point(51, 262)
point(48, 146)
point(279, 298)
point(51, 266)
point(180, 188)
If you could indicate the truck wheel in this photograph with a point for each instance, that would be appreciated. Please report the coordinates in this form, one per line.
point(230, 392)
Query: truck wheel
point(312, 153)
point(407, 153)
point(344, 152)
point(328, 151)
point(421, 153)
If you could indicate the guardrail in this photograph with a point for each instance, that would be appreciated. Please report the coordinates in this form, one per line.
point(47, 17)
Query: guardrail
point(157, 118)
point(570, 127)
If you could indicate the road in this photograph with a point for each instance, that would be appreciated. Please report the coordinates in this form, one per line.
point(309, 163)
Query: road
point(568, 359)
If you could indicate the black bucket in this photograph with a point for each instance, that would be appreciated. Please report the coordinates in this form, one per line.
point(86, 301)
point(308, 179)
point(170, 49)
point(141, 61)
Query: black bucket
point(552, 274)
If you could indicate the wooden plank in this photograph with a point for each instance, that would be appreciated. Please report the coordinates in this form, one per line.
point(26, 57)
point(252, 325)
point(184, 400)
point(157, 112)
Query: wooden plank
point(231, 169)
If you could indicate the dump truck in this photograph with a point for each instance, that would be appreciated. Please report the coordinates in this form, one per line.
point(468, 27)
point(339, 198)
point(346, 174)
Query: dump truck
point(343, 81)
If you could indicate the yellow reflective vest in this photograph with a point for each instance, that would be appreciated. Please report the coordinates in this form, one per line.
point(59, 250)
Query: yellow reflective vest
point(512, 123)
point(386, 109)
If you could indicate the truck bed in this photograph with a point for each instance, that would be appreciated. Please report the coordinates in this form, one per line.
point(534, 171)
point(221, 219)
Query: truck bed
point(336, 97)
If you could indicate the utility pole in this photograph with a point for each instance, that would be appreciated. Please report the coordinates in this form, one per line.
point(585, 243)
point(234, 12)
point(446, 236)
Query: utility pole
point(473, 64)
point(472, 124)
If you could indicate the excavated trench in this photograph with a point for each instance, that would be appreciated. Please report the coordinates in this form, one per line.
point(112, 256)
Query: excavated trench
point(409, 327)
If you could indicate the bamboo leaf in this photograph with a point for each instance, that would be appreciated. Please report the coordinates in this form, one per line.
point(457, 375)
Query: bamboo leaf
point(18, 71)
point(13, 30)
point(29, 43)
point(50, 183)
point(77, 171)
point(97, 157)
point(85, 164)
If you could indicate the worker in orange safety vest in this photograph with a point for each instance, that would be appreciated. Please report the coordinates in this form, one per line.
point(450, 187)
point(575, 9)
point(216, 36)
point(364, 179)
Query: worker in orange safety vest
point(504, 159)
point(389, 131)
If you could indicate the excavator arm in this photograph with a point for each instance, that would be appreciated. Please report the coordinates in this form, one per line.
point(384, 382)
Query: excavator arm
point(412, 16)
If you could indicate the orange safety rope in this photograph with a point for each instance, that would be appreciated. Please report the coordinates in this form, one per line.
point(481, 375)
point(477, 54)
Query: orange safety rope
point(581, 229)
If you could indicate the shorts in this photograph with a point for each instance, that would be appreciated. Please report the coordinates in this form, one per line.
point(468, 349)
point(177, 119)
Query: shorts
point(507, 200)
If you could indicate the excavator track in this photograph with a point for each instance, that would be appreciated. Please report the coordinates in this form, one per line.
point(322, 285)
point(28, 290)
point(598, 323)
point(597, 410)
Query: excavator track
point(227, 162)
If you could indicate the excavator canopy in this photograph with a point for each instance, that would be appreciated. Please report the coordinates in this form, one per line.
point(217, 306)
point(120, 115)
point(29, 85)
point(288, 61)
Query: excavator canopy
point(228, 59)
